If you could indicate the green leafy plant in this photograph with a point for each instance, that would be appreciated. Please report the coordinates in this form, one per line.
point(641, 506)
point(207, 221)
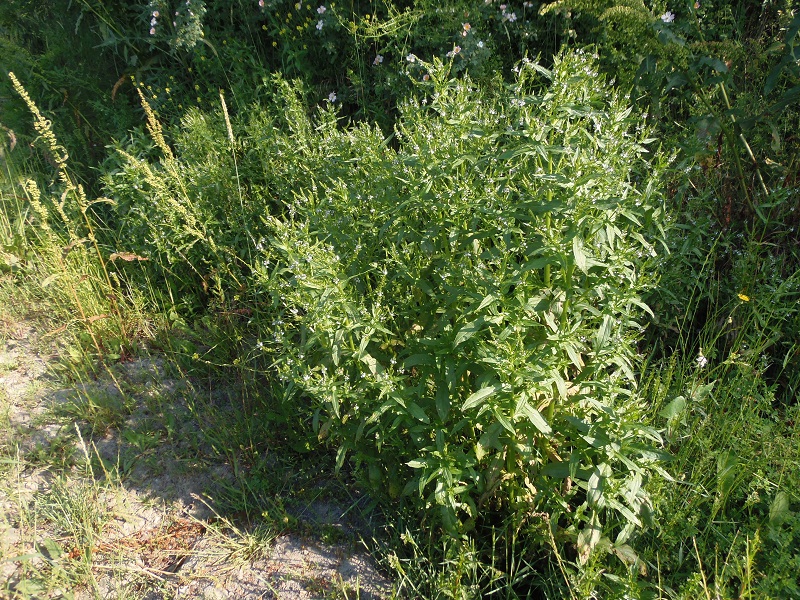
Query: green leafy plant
point(462, 308)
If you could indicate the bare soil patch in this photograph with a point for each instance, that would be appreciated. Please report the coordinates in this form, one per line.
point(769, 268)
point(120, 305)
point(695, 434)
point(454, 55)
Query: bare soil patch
point(110, 488)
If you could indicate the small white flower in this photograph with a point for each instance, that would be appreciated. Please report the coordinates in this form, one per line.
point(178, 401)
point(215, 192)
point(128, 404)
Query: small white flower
point(152, 31)
point(411, 58)
point(702, 361)
point(332, 97)
point(321, 9)
point(480, 44)
point(668, 17)
point(378, 59)
point(512, 17)
point(320, 24)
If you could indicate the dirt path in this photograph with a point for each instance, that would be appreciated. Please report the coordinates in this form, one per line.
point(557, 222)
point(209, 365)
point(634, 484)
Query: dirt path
point(114, 488)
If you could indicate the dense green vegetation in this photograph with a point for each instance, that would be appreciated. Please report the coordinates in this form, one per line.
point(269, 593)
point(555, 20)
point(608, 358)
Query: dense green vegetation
point(529, 272)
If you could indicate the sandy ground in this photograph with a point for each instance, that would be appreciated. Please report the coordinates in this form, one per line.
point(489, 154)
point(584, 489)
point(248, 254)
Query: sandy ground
point(151, 487)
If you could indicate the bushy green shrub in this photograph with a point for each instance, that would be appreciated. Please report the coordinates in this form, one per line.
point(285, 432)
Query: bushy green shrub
point(462, 310)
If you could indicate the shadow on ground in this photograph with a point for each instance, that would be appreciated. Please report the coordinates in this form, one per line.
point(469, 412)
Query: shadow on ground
point(144, 484)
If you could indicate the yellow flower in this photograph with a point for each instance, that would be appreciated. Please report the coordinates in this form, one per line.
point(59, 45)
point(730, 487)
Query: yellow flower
point(744, 298)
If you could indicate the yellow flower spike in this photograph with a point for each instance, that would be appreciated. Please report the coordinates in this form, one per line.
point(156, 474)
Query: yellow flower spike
point(744, 298)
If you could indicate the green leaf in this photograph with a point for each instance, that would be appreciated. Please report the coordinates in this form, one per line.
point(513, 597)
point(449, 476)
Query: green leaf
point(551, 321)
point(674, 409)
point(537, 263)
point(631, 495)
point(489, 299)
point(557, 470)
point(588, 539)
point(580, 255)
point(365, 340)
point(574, 356)
point(491, 439)
point(714, 63)
point(535, 417)
point(28, 588)
point(341, 453)
point(603, 333)
point(416, 411)
point(561, 385)
point(49, 280)
point(418, 359)
point(677, 80)
point(774, 75)
point(779, 510)
point(468, 330)
point(626, 554)
point(442, 401)
point(727, 467)
point(594, 492)
point(374, 366)
point(792, 30)
point(642, 305)
point(478, 397)
point(701, 392)
point(50, 549)
point(335, 402)
point(624, 511)
point(504, 421)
